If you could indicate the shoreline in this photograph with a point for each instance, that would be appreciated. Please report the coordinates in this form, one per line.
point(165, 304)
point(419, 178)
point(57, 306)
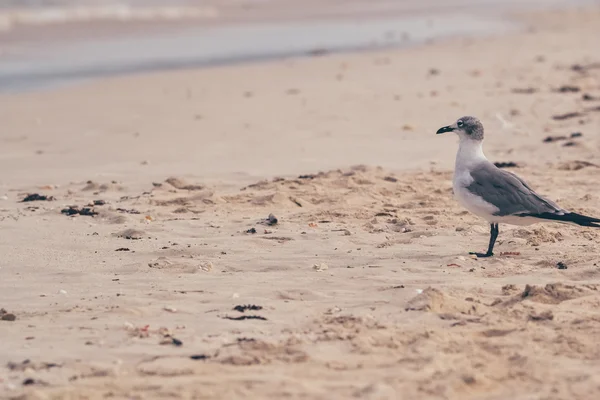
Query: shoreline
point(33, 65)
point(93, 60)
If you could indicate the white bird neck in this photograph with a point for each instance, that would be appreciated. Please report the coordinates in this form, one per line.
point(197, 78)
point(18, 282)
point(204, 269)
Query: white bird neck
point(470, 152)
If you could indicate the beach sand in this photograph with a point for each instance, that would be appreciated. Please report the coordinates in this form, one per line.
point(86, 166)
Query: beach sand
point(363, 288)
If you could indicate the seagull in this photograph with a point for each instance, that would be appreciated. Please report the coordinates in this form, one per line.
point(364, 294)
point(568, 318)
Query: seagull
point(496, 195)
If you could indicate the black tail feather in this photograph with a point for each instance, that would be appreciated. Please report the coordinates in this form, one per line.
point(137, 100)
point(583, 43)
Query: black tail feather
point(575, 218)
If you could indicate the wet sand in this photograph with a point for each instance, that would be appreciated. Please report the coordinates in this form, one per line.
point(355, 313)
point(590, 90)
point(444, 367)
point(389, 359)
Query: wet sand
point(363, 288)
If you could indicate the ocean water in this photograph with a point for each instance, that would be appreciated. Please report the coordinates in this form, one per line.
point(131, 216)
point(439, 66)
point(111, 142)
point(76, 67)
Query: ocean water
point(327, 26)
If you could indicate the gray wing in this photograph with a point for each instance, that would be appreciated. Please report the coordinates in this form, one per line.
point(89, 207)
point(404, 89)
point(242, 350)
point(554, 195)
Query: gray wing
point(509, 193)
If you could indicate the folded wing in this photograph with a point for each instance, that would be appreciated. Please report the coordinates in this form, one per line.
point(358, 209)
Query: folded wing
point(509, 193)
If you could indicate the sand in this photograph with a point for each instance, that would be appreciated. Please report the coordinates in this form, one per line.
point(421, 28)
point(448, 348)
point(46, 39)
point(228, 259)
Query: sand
point(363, 288)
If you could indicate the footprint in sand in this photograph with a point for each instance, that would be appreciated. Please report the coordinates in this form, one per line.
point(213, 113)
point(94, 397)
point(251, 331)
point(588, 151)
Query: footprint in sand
point(92, 186)
point(181, 184)
point(131, 234)
point(163, 263)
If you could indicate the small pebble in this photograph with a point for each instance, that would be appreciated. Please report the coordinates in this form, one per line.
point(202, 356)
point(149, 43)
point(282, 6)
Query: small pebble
point(62, 291)
point(8, 317)
point(272, 220)
point(561, 265)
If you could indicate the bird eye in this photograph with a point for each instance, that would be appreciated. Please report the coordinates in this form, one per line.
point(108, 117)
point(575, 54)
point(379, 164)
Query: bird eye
point(459, 124)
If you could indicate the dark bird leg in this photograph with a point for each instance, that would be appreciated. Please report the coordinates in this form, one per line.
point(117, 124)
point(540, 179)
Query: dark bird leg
point(493, 235)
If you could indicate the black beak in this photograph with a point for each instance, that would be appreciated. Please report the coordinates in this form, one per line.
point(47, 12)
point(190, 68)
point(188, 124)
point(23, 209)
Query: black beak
point(444, 130)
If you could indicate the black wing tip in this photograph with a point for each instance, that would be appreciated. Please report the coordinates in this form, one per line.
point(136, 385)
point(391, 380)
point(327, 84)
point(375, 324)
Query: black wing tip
point(579, 219)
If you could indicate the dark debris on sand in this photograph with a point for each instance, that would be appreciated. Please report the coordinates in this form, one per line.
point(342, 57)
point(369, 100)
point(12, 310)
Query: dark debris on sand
point(589, 97)
point(243, 317)
point(199, 357)
point(271, 220)
point(561, 117)
point(37, 197)
point(75, 210)
point(309, 176)
point(6, 316)
point(585, 68)
point(245, 307)
point(568, 89)
point(561, 265)
point(551, 139)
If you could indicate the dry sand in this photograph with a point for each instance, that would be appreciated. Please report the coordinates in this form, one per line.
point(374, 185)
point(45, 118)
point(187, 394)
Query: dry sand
point(394, 308)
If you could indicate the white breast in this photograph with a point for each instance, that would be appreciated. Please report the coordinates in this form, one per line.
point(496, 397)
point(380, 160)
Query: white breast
point(469, 155)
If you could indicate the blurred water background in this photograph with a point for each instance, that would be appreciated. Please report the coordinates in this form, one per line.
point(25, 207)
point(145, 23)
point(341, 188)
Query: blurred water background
point(45, 43)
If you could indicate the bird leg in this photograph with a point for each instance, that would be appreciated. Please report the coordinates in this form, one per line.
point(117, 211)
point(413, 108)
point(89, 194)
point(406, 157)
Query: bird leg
point(493, 235)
